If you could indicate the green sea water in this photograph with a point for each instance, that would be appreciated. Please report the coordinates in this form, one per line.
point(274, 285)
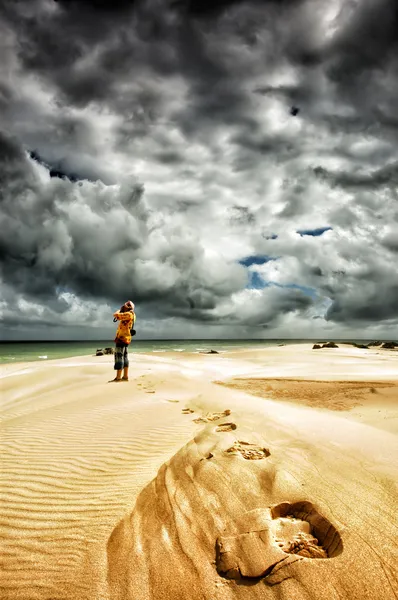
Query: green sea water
point(12, 352)
point(32, 351)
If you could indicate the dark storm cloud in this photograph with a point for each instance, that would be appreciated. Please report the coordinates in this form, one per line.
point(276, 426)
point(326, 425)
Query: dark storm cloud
point(374, 306)
point(366, 289)
point(275, 303)
point(368, 41)
point(56, 43)
point(385, 176)
point(99, 90)
point(58, 47)
point(41, 249)
point(360, 63)
point(243, 215)
point(9, 151)
point(196, 8)
point(106, 6)
point(170, 157)
point(390, 240)
point(265, 308)
point(14, 174)
point(251, 145)
point(95, 241)
point(58, 170)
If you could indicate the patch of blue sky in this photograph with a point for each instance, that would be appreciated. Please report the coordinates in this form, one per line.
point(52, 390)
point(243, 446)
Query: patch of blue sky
point(314, 232)
point(258, 259)
point(258, 283)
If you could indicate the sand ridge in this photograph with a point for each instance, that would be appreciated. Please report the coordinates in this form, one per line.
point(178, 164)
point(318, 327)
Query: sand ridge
point(203, 528)
point(73, 456)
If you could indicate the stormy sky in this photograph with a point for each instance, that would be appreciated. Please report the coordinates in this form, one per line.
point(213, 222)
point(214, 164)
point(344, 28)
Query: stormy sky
point(231, 167)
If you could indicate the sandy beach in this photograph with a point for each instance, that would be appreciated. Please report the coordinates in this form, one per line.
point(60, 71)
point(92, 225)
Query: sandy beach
point(250, 474)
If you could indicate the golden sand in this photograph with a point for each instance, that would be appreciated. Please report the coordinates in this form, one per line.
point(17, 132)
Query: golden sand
point(279, 481)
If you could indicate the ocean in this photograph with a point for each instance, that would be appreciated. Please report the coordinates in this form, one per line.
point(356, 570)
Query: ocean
point(12, 352)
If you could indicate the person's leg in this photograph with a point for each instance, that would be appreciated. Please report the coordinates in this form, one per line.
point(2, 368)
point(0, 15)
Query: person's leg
point(118, 363)
point(126, 365)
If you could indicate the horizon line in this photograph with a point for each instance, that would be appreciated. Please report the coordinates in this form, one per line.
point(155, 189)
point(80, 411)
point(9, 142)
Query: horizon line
point(197, 340)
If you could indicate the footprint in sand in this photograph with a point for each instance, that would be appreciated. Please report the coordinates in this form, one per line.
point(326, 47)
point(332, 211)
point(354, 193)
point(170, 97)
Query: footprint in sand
point(293, 536)
point(299, 529)
point(248, 451)
point(226, 427)
point(268, 540)
point(187, 411)
point(212, 417)
point(172, 400)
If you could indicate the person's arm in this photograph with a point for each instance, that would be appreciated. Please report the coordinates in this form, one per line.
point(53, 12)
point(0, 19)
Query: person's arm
point(122, 316)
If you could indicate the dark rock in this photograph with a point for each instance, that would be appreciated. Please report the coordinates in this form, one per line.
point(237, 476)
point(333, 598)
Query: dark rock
point(316, 347)
point(360, 346)
point(99, 353)
point(211, 352)
point(330, 345)
point(389, 345)
point(374, 344)
point(108, 351)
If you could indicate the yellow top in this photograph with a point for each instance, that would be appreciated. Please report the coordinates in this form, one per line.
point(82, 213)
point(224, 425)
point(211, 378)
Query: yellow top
point(127, 320)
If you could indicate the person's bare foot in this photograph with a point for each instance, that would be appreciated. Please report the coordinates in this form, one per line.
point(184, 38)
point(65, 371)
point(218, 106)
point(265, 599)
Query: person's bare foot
point(124, 379)
point(114, 380)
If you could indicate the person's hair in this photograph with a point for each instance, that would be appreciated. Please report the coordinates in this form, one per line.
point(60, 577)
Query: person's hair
point(124, 308)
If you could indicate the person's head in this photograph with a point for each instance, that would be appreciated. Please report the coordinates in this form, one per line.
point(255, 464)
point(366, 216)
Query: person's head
point(127, 307)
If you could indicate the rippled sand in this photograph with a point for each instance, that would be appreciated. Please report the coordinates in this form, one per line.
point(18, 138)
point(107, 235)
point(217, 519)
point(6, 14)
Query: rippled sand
point(86, 512)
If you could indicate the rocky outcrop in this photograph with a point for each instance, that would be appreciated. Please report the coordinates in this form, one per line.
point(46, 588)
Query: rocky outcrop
point(389, 345)
point(316, 347)
point(101, 351)
point(329, 345)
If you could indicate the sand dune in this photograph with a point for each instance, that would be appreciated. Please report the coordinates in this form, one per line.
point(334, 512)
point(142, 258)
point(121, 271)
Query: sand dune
point(119, 493)
point(74, 455)
point(199, 503)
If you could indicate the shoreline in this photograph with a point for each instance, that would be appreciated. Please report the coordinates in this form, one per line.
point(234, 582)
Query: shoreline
point(207, 345)
point(88, 467)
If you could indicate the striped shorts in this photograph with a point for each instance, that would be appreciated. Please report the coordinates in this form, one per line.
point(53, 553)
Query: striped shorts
point(121, 356)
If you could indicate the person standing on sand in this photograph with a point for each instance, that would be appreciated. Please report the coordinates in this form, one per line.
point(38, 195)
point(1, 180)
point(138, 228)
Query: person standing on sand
point(126, 316)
